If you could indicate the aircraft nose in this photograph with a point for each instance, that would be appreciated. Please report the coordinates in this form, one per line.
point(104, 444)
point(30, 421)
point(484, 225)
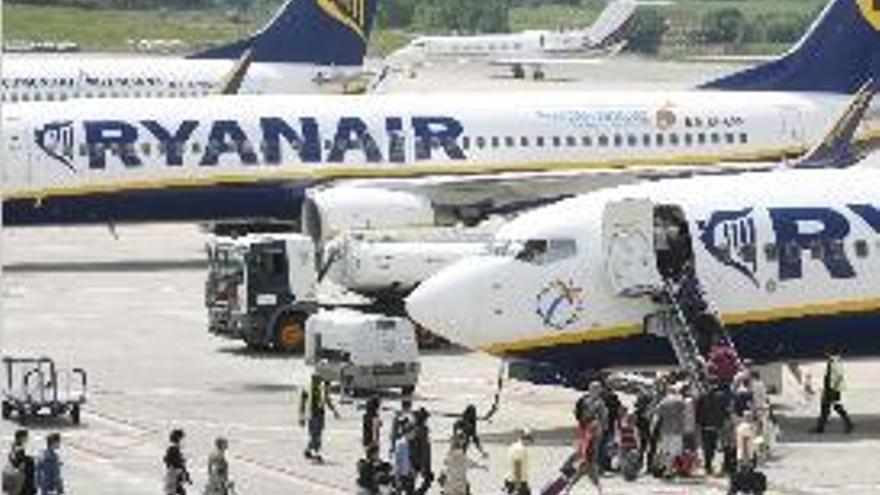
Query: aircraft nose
point(448, 304)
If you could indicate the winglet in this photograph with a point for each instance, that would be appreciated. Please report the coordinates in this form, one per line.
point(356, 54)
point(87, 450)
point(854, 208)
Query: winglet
point(231, 82)
point(837, 149)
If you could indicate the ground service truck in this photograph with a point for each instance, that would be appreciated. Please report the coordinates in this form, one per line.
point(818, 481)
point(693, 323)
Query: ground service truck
point(262, 288)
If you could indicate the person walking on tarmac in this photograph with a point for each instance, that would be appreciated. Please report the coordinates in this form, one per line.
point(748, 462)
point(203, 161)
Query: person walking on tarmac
point(467, 426)
point(833, 387)
point(312, 413)
point(218, 470)
point(19, 477)
point(176, 474)
point(371, 423)
point(518, 454)
point(421, 451)
point(48, 469)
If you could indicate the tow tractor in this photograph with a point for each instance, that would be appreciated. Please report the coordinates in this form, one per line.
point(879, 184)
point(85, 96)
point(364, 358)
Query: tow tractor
point(262, 288)
point(34, 387)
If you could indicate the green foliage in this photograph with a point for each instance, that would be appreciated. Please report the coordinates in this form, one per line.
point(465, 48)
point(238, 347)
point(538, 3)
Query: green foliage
point(464, 16)
point(726, 25)
point(647, 35)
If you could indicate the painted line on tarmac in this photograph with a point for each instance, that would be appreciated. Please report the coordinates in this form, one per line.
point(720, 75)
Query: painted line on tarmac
point(290, 475)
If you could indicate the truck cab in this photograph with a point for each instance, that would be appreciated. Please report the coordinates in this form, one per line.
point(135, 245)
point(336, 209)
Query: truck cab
point(261, 289)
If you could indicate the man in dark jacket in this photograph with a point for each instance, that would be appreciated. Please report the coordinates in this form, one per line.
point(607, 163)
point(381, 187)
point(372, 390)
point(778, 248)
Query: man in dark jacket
point(712, 410)
point(420, 450)
point(24, 463)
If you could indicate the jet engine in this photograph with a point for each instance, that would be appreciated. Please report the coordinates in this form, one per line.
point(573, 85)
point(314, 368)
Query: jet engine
point(328, 212)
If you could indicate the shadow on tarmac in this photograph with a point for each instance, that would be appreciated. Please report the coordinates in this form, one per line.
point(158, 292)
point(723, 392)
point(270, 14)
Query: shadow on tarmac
point(107, 266)
point(797, 429)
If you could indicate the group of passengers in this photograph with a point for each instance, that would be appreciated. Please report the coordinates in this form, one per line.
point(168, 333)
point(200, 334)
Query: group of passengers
point(24, 475)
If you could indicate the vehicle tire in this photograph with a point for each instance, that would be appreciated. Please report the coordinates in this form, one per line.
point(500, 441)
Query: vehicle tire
point(407, 390)
point(518, 72)
point(75, 414)
point(539, 75)
point(290, 332)
point(7, 410)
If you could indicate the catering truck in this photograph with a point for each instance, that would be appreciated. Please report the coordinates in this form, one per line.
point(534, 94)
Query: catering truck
point(263, 288)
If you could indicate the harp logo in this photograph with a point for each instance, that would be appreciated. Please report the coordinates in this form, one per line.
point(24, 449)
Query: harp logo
point(56, 140)
point(871, 12)
point(731, 238)
point(352, 13)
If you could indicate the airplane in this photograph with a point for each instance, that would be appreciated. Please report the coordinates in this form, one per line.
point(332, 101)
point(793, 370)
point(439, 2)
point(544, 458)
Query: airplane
point(309, 46)
point(787, 258)
point(334, 163)
point(534, 49)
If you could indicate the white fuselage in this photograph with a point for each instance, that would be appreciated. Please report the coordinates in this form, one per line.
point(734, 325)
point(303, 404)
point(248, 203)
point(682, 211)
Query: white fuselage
point(79, 147)
point(787, 258)
point(29, 78)
point(528, 44)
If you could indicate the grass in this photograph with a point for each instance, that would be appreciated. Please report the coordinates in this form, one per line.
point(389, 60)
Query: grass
point(109, 30)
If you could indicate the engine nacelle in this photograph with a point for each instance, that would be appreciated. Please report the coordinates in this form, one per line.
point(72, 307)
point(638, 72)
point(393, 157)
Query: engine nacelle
point(328, 212)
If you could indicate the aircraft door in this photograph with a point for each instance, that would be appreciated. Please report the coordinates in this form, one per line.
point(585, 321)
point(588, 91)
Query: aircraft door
point(792, 131)
point(16, 159)
point(628, 245)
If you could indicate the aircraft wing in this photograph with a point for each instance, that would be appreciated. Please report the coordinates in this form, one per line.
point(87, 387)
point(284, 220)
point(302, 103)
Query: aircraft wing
point(474, 198)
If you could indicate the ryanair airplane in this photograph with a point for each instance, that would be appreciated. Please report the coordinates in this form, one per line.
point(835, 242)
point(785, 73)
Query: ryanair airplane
point(397, 161)
point(308, 46)
point(531, 50)
point(787, 259)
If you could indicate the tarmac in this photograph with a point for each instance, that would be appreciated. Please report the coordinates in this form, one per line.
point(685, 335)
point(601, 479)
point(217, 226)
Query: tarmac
point(127, 305)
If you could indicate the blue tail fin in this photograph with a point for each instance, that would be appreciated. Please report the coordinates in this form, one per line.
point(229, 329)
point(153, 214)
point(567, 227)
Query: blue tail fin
point(322, 32)
point(838, 54)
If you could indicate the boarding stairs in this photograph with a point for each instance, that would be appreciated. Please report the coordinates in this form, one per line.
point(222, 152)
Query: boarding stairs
point(675, 321)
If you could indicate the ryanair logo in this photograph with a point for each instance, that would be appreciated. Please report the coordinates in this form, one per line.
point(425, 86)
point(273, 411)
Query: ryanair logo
point(871, 12)
point(56, 139)
point(352, 13)
point(731, 237)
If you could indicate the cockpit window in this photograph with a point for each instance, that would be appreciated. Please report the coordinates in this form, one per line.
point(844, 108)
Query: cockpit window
point(537, 251)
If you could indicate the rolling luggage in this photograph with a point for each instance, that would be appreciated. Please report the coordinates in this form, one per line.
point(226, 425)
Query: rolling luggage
point(751, 481)
point(569, 475)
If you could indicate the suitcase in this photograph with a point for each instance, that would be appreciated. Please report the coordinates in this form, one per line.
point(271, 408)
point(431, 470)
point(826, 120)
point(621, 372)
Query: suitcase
point(685, 463)
point(569, 475)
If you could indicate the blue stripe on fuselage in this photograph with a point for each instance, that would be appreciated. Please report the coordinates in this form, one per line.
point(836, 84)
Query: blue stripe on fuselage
point(263, 200)
point(853, 334)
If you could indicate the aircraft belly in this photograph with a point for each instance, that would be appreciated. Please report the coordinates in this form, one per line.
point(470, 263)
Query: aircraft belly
point(277, 201)
point(854, 334)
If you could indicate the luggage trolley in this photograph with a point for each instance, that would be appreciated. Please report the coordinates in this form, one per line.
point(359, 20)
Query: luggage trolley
point(34, 388)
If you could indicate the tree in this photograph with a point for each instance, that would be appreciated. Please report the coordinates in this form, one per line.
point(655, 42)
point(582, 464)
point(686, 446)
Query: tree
point(648, 31)
point(727, 25)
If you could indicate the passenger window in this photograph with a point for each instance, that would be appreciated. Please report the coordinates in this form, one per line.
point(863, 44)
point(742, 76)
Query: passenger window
point(509, 142)
point(771, 253)
point(571, 141)
point(543, 252)
point(673, 139)
point(557, 142)
point(632, 140)
point(481, 142)
point(861, 248)
point(816, 250)
point(646, 140)
point(660, 140)
point(688, 139)
point(539, 141)
point(83, 150)
point(743, 138)
point(495, 142)
point(586, 141)
point(145, 148)
point(524, 142)
point(618, 140)
point(716, 138)
point(196, 148)
point(701, 138)
point(603, 140)
point(466, 142)
point(731, 139)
